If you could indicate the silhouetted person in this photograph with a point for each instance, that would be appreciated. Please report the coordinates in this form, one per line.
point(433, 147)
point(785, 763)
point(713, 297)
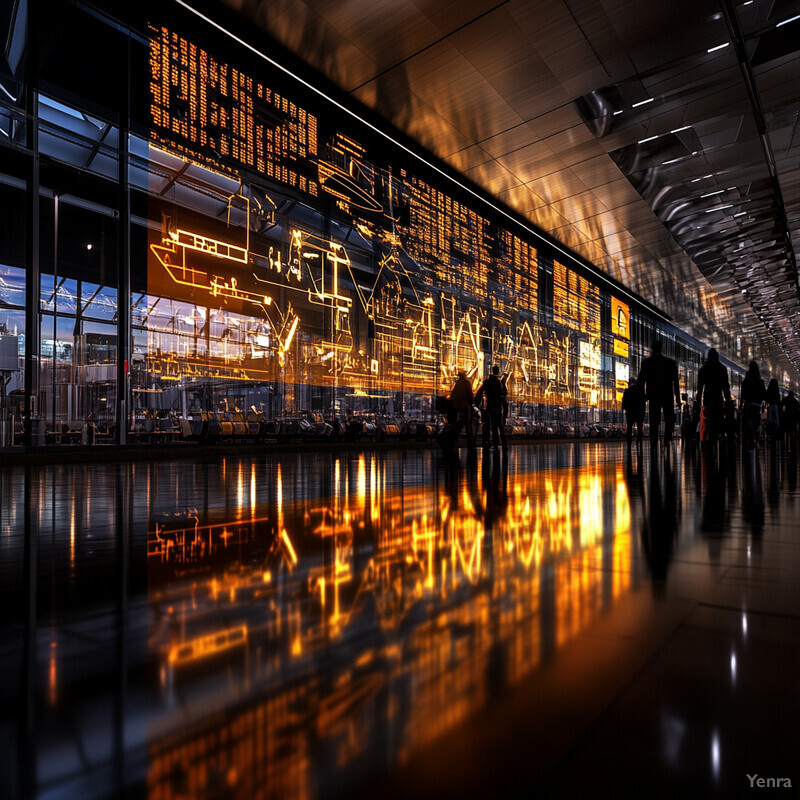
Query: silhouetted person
point(658, 378)
point(751, 395)
point(713, 390)
point(461, 399)
point(633, 406)
point(504, 381)
point(494, 394)
point(790, 412)
point(773, 399)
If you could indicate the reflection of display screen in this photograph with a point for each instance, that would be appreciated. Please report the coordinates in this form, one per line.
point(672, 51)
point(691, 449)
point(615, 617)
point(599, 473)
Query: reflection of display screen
point(622, 372)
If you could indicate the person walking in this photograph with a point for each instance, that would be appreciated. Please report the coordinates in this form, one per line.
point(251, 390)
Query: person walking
point(633, 406)
point(751, 395)
point(493, 392)
point(773, 399)
point(658, 378)
point(713, 390)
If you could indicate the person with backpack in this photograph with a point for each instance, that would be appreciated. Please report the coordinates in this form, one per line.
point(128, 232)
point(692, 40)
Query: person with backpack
point(713, 391)
point(461, 398)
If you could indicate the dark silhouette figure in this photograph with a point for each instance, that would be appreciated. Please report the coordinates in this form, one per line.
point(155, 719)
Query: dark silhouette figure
point(504, 381)
point(751, 395)
point(658, 378)
point(461, 399)
point(713, 390)
point(773, 399)
point(633, 406)
point(790, 413)
point(493, 392)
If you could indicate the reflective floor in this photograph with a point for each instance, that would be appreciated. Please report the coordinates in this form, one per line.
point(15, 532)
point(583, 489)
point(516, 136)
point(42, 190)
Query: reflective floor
point(575, 620)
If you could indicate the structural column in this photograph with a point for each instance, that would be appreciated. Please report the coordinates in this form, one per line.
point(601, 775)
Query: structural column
point(33, 280)
point(122, 411)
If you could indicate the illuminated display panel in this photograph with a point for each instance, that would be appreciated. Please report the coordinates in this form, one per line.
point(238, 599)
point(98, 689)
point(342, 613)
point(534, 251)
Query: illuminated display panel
point(576, 301)
point(214, 114)
point(620, 319)
point(410, 286)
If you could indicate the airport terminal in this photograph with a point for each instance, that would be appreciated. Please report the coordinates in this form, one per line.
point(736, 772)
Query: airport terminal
point(398, 399)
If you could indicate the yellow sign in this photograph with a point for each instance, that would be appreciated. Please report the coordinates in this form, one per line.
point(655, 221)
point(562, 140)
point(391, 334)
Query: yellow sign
point(620, 319)
point(620, 348)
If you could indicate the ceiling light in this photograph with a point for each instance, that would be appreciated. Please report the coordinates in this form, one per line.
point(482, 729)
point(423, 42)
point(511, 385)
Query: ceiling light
point(787, 21)
point(718, 47)
point(719, 191)
point(649, 139)
point(718, 208)
point(89, 246)
point(642, 103)
point(684, 128)
point(617, 112)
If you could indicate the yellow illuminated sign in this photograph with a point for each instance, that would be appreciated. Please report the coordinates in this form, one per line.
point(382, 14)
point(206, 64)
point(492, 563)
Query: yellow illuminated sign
point(620, 319)
point(620, 348)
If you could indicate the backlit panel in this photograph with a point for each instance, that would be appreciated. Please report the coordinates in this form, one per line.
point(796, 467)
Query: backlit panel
point(216, 115)
point(402, 287)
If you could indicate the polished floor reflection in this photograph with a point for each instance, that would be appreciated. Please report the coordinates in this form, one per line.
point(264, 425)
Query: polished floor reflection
point(573, 619)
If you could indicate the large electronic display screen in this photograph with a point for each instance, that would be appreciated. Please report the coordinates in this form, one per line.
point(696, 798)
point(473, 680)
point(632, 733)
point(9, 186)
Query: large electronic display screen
point(324, 267)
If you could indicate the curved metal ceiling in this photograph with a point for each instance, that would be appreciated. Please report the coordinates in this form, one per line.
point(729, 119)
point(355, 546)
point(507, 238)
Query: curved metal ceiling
point(657, 140)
